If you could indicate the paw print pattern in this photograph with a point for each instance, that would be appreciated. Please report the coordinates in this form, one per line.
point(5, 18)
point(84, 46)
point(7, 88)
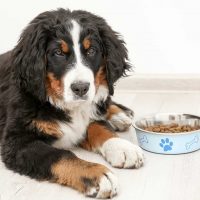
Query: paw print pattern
point(166, 144)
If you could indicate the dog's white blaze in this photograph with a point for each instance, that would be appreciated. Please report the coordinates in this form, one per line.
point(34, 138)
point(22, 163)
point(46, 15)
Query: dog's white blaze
point(79, 71)
point(75, 33)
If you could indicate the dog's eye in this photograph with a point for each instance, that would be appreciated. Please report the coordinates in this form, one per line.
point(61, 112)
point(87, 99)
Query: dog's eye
point(91, 52)
point(58, 52)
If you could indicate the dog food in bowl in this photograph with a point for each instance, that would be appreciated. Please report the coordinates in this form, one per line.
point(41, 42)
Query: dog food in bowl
point(171, 128)
point(169, 133)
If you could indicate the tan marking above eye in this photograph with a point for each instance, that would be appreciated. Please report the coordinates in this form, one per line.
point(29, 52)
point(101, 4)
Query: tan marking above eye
point(64, 46)
point(86, 43)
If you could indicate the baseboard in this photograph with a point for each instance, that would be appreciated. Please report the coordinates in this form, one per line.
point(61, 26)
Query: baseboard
point(160, 82)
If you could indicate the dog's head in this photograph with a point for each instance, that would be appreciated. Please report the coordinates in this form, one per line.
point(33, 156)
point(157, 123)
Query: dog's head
point(67, 57)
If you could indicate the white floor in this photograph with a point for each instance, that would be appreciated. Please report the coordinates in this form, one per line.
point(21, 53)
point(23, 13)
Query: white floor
point(165, 177)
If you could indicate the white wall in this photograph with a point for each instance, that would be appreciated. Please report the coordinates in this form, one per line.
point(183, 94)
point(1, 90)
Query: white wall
point(163, 36)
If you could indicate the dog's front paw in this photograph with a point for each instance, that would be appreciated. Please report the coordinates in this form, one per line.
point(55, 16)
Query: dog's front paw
point(120, 119)
point(103, 184)
point(121, 153)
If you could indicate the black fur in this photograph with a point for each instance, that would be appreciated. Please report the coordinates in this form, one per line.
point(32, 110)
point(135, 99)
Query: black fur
point(25, 149)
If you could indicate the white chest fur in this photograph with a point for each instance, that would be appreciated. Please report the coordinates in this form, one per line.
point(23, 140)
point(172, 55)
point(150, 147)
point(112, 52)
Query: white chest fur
point(75, 131)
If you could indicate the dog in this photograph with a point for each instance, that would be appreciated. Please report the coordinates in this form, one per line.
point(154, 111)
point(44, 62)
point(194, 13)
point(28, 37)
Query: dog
point(55, 93)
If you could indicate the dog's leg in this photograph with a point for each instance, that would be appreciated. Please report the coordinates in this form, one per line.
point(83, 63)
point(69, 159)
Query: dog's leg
point(119, 116)
point(43, 162)
point(118, 152)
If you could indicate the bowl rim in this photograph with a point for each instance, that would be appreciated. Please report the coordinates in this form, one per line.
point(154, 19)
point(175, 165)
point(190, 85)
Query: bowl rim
point(165, 113)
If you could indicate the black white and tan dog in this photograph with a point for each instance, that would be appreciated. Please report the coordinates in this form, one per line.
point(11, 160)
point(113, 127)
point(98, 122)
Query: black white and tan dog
point(55, 93)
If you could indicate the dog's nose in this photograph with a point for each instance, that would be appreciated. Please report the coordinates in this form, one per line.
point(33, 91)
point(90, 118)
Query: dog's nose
point(80, 88)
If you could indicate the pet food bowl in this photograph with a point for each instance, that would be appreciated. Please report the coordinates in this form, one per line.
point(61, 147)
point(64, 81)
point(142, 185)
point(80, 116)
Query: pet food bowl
point(168, 143)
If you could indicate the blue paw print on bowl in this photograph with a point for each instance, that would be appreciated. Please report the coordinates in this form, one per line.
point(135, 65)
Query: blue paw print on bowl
point(166, 144)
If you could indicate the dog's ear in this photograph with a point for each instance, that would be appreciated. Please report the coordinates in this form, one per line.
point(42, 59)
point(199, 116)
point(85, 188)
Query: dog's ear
point(115, 55)
point(29, 58)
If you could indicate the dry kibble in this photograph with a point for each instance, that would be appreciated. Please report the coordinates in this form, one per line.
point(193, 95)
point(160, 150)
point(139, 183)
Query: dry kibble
point(156, 129)
point(171, 128)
